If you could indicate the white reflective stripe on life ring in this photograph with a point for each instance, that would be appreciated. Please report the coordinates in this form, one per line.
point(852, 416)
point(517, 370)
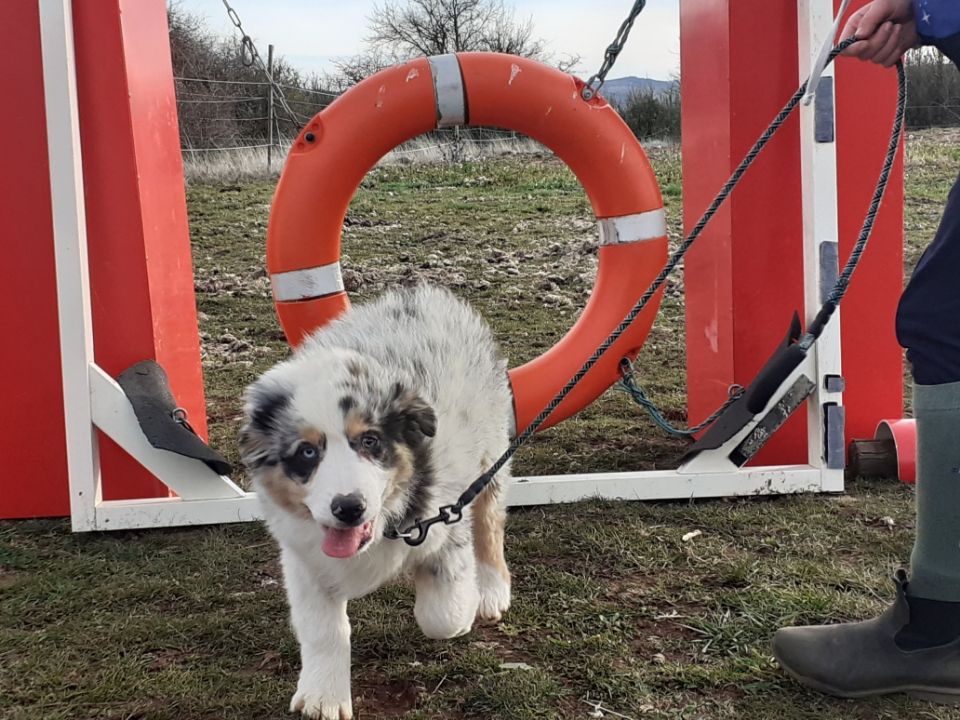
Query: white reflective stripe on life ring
point(305, 284)
point(448, 90)
point(633, 228)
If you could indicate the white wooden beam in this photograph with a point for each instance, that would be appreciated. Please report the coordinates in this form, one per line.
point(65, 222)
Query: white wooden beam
point(820, 221)
point(544, 490)
point(70, 248)
point(664, 485)
point(175, 512)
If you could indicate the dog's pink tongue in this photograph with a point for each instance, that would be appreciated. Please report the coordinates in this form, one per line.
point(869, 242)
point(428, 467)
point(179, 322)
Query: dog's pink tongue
point(344, 542)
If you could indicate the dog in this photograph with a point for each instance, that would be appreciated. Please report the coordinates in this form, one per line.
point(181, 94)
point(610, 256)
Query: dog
point(378, 419)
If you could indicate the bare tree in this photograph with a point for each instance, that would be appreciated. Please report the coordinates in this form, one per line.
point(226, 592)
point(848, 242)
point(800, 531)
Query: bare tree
point(220, 100)
point(356, 68)
point(400, 31)
point(934, 90)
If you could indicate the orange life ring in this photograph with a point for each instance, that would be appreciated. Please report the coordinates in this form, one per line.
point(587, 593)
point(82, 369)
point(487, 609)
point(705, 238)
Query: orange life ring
point(341, 144)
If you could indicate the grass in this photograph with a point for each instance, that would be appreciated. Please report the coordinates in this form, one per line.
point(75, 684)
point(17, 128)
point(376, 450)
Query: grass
point(611, 605)
point(254, 163)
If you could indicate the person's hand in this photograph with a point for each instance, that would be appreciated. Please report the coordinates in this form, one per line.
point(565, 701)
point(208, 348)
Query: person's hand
point(886, 28)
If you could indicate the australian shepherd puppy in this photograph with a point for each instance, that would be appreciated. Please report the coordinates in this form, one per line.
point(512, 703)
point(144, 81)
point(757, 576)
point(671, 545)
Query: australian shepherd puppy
point(378, 419)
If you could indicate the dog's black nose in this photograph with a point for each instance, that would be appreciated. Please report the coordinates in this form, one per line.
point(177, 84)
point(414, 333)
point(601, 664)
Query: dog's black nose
point(348, 508)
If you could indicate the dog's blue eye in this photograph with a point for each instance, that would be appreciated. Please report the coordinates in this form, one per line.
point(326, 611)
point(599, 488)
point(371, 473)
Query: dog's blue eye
point(307, 452)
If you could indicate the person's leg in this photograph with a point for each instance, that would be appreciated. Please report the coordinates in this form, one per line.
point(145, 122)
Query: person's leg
point(928, 325)
point(928, 319)
point(914, 646)
point(934, 589)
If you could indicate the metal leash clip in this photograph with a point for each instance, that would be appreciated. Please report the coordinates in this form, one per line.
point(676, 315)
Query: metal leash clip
point(416, 534)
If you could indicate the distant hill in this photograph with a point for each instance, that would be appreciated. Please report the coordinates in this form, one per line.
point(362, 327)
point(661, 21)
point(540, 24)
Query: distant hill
point(620, 89)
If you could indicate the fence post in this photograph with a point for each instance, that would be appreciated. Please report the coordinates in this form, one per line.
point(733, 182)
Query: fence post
point(269, 108)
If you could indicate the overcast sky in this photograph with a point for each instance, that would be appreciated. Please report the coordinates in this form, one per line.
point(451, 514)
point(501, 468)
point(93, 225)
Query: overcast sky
point(313, 33)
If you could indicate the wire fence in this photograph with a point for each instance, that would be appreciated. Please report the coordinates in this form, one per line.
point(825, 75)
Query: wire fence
point(232, 115)
point(237, 117)
point(219, 117)
point(239, 121)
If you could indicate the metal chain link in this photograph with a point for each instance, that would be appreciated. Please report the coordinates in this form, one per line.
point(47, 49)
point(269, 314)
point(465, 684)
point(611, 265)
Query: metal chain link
point(596, 81)
point(628, 384)
point(250, 57)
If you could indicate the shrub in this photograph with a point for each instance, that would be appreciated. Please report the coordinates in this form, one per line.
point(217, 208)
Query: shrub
point(652, 115)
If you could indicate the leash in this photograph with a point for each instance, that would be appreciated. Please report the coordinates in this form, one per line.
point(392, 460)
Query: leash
point(416, 533)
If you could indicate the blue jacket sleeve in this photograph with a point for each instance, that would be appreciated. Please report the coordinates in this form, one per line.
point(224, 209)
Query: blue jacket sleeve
point(938, 22)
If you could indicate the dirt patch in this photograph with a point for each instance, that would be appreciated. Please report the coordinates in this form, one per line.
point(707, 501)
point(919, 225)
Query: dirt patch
point(507, 648)
point(226, 348)
point(168, 658)
point(251, 281)
point(8, 578)
point(391, 699)
point(139, 710)
point(269, 663)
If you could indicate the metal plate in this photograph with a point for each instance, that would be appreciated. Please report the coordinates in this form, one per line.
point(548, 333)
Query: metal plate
point(773, 420)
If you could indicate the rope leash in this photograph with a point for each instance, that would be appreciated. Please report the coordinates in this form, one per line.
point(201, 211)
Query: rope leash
point(843, 282)
point(416, 534)
point(840, 288)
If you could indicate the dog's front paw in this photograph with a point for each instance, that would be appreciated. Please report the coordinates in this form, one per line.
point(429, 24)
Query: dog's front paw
point(318, 706)
point(442, 623)
point(494, 593)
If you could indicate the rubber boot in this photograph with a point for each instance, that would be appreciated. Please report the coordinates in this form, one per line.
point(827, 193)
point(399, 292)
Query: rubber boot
point(876, 657)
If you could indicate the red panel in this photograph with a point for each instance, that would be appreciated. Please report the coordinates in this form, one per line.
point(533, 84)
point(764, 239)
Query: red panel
point(156, 138)
point(767, 211)
point(707, 161)
point(34, 478)
point(142, 286)
point(745, 276)
point(143, 301)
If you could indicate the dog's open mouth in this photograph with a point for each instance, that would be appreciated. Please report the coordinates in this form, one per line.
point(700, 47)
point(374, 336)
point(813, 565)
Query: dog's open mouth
point(346, 542)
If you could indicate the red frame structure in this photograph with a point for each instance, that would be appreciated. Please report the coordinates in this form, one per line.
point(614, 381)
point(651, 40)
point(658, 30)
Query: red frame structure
point(139, 246)
point(744, 279)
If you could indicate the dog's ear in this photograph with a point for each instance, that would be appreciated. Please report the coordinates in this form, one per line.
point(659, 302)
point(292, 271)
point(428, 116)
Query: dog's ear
point(409, 418)
point(265, 403)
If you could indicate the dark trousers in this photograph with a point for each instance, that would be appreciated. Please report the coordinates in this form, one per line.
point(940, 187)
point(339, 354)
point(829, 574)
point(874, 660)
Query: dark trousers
point(928, 319)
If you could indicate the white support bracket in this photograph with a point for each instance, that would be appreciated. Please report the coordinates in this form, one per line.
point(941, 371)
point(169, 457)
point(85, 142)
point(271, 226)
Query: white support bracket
point(70, 250)
point(818, 152)
point(113, 414)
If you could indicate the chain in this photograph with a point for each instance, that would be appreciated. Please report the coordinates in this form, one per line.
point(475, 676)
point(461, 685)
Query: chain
point(594, 84)
point(250, 57)
point(628, 384)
